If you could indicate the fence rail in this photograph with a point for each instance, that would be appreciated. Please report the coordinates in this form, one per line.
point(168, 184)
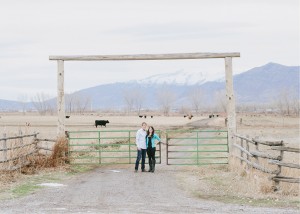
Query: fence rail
point(279, 146)
point(196, 147)
point(15, 150)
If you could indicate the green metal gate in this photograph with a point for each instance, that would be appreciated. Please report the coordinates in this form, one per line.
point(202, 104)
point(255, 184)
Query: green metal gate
point(104, 147)
point(196, 147)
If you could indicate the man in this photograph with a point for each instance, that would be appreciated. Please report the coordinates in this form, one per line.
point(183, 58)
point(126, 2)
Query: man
point(141, 147)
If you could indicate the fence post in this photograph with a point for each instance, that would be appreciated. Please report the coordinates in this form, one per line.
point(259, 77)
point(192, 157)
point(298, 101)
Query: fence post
point(276, 183)
point(248, 157)
point(197, 148)
point(167, 148)
point(242, 145)
point(22, 156)
point(129, 147)
point(257, 149)
point(99, 146)
point(4, 148)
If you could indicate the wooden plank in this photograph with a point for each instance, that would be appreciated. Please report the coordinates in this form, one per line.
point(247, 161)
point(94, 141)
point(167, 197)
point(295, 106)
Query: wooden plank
point(171, 56)
point(268, 143)
point(18, 147)
point(279, 163)
point(256, 166)
point(242, 149)
point(44, 148)
point(245, 138)
point(231, 114)
point(48, 140)
point(60, 99)
point(16, 137)
point(286, 179)
point(264, 155)
point(286, 149)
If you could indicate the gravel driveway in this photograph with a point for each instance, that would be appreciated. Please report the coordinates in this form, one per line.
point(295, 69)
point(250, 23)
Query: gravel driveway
point(113, 189)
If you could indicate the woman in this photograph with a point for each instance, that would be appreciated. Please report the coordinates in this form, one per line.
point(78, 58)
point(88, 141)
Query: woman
point(150, 145)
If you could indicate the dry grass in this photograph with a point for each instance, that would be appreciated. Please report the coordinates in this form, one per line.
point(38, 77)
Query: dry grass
point(242, 181)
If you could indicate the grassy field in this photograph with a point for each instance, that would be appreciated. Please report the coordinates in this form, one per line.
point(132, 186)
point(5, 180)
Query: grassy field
point(238, 185)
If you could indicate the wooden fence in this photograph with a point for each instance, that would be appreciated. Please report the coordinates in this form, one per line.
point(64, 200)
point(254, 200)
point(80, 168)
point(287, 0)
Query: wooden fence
point(14, 151)
point(254, 154)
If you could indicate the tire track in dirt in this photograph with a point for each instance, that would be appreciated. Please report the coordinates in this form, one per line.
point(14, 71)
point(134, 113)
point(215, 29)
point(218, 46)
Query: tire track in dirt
point(117, 189)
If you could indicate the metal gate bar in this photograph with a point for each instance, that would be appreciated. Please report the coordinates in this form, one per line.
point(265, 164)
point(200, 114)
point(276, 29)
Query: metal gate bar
point(104, 147)
point(188, 147)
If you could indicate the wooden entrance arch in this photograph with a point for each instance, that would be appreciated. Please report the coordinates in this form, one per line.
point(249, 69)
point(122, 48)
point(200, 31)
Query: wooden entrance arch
point(231, 114)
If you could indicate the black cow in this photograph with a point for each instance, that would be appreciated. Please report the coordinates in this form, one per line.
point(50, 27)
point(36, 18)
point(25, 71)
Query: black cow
point(145, 116)
point(151, 116)
point(101, 123)
point(67, 116)
point(140, 116)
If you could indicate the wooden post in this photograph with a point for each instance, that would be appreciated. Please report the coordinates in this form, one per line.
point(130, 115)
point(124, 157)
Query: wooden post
point(276, 186)
point(242, 145)
point(231, 115)
point(60, 99)
point(4, 148)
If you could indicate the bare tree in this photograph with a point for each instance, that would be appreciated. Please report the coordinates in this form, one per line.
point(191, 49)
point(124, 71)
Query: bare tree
point(23, 99)
point(129, 100)
point(196, 97)
point(139, 99)
point(220, 100)
point(42, 104)
point(287, 101)
point(77, 103)
point(134, 100)
point(165, 99)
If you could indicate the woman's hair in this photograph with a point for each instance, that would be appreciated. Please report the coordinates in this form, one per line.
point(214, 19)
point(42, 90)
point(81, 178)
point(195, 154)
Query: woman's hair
point(149, 129)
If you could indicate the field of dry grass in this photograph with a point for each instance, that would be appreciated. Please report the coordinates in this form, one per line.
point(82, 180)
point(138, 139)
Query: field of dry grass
point(206, 182)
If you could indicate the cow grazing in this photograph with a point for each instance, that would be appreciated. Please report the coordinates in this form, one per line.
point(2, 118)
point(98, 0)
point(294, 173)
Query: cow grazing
point(151, 116)
point(101, 123)
point(67, 116)
point(145, 116)
point(140, 116)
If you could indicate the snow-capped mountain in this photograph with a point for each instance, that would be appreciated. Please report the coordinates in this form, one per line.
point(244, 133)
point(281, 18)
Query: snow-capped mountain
point(258, 85)
point(179, 77)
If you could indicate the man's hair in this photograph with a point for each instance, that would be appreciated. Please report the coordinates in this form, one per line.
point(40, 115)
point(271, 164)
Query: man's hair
point(144, 123)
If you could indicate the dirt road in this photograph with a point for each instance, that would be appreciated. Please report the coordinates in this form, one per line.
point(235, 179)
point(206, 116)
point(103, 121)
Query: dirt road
point(120, 190)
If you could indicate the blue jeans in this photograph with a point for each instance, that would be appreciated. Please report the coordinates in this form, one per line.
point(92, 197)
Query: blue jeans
point(140, 154)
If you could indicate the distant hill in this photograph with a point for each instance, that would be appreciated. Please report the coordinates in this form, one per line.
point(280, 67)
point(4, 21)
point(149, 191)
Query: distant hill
point(258, 85)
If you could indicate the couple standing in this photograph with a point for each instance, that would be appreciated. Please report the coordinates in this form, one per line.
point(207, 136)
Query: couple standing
point(145, 142)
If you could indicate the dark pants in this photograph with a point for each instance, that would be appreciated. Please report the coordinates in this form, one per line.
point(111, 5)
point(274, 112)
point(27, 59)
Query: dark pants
point(140, 154)
point(151, 157)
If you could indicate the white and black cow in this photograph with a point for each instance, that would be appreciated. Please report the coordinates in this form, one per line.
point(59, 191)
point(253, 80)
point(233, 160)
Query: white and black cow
point(101, 123)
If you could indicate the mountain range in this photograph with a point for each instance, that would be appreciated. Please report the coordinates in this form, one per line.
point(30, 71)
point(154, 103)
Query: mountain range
point(256, 86)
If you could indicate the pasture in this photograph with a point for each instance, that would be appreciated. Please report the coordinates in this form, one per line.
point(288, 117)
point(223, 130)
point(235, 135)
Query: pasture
point(218, 182)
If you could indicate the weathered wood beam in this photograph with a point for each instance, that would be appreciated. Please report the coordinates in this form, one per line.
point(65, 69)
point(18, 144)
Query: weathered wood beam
point(245, 138)
point(242, 149)
point(286, 149)
point(264, 155)
point(286, 179)
point(145, 56)
point(16, 137)
point(60, 99)
point(256, 166)
point(268, 143)
point(290, 165)
point(230, 104)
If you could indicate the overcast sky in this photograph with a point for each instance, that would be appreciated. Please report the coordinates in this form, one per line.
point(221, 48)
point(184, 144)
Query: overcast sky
point(30, 31)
